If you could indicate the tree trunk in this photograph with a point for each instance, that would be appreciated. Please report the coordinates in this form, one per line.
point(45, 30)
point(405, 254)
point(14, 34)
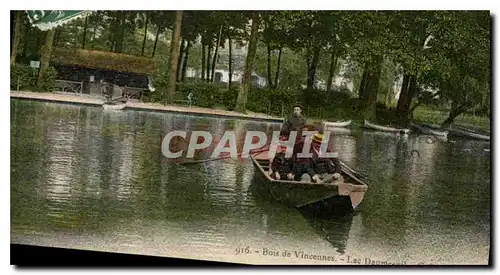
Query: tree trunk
point(403, 95)
point(114, 35)
point(98, 21)
point(174, 55)
point(57, 36)
point(209, 57)
point(454, 112)
point(145, 35)
point(277, 76)
point(362, 84)
point(369, 98)
point(156, 41)
point(216, 52)
point(12, 28)
point(230, 62)
point(404, 102)
point(202, 60)
point(17, 37)
point(413, 109)
point(45, 56)
point(333, 64)
point(311, 70)
point(270, 81)
point(185, 62)
point(179, 60)
point(84, 31)
point(247, 74)
point(121, 33)
point(26, 28)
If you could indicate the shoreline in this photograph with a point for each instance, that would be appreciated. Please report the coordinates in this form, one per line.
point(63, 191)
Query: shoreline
point(140, 106)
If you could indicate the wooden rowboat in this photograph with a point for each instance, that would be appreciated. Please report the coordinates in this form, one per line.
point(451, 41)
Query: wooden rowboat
point(430, 131)
point(342, 196)
point(337, 124)
point(468, 134)
point(369, 125)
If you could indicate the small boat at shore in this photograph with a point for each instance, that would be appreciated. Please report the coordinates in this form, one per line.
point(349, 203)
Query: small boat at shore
point(114, 105)
point(429, 130)
point(337, 124)
point(342, 196)
point(373, 126)
point(456, 131)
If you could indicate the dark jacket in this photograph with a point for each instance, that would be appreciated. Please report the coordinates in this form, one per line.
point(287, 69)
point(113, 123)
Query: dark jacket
point(294, 123)
point(324, 166)
point(301, 166)
point(282, 165)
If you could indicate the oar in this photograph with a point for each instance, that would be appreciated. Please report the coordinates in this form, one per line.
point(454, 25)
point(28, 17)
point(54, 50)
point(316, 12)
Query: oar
point(221, 158)
point(357, 174)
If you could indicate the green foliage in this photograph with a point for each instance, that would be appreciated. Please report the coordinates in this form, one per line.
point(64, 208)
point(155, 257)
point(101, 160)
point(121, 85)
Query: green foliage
point(24, 76)
point(457, 64)
point(204, 94)
point(49, 80)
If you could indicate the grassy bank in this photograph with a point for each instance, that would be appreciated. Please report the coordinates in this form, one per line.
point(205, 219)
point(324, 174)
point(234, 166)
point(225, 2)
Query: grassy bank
point(430, 116)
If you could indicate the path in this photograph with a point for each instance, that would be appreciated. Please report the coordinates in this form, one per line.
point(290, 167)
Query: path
point(135, 105)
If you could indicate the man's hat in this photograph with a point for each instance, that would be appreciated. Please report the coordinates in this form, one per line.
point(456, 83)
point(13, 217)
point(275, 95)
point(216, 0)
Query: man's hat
point(317, 138)
point(298, 105)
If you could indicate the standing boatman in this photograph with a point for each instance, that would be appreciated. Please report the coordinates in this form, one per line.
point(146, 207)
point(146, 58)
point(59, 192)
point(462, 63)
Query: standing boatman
point(295, 122)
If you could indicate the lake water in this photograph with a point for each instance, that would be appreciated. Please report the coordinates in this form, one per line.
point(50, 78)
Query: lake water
point(86, 178)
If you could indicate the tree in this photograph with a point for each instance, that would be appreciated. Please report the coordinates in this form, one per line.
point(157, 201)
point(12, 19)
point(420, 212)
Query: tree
point(17, 36)
point(367, 40)
point(460, 60)
point(174, 54)
point(45, 56)
point(247, 74)
point(146, 20)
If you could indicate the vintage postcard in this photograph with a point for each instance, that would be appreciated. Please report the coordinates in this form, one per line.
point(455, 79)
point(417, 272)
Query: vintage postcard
point(280, 137)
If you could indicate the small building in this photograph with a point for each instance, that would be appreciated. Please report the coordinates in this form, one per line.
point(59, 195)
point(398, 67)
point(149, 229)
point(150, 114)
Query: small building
point(83, 71)
point(222, 76)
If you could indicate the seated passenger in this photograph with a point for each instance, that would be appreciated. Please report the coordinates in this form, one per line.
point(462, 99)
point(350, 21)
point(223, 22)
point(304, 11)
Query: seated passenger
point(281, 166)
point(302, 166)
point(300, 170)
point(323, 170)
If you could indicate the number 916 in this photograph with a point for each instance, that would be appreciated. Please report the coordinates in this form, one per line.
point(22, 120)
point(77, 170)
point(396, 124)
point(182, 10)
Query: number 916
point(242, 250)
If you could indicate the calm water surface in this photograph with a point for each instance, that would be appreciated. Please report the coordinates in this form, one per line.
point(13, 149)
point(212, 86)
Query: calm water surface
point(86, 178)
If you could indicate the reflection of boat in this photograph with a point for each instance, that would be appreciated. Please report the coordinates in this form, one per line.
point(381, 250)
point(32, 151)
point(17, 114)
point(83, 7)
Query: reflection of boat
point(429, 130)
point(337, 124)
point(334, 229)
point(385, 128)
point(461, 132)
point(342, 196)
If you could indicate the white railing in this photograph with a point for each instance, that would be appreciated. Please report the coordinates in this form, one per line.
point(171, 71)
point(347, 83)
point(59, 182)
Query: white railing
point(69, 86)
point(132, 92)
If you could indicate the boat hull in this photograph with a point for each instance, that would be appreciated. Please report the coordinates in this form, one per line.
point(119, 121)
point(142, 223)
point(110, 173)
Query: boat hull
point(341, 124)
point(430, 131)
point(114, 106)
point(468, 134)
point(372, 126)
point(337, 197)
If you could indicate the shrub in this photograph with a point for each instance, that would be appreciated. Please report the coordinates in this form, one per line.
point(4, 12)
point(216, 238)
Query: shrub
point(160, 93)
point(49, 80)
point(272, 101)
point(21, 75)
point(24, 76)
point(205, 94)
